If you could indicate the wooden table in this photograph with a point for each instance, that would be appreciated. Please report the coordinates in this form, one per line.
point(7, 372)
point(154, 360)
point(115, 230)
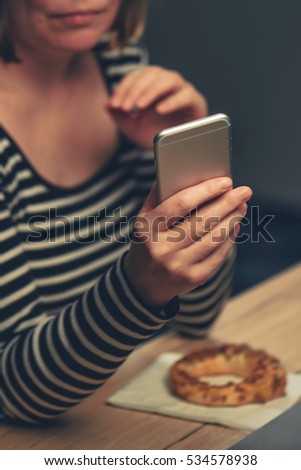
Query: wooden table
point(266, 316)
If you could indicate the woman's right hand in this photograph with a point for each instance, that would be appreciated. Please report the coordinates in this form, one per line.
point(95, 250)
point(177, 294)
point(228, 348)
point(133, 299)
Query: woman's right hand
point(165, 260)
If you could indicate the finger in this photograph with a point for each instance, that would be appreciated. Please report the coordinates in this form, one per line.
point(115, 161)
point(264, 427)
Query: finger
point(184, 98)
point(122, 120)
point(121, 90)
point(192, 231)
point(137, 90)
point(180, 204)
point(148, 87)
point(157, 89)
point(212, 213)
point(200, 272)
point(199, 250)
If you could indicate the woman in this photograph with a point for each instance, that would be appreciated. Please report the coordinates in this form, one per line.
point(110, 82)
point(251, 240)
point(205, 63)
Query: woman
point(78, 296)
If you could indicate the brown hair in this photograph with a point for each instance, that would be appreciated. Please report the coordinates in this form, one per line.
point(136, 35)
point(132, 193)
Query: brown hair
point(129, 23)
point(6, 48)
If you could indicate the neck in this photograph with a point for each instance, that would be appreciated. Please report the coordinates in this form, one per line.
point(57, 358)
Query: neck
point(42, 69)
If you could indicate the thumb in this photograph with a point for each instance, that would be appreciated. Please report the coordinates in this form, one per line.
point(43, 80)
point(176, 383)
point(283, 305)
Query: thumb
point(124, 121)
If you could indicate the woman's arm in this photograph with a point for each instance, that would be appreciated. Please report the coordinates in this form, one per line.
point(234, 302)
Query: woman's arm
point(52, 362)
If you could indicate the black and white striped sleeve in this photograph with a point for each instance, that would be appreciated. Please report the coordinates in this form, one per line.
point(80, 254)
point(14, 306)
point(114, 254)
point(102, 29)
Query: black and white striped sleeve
point(61, 359)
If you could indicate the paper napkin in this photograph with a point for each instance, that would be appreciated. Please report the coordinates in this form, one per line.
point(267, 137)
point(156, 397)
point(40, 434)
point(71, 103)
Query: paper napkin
point(149, 392)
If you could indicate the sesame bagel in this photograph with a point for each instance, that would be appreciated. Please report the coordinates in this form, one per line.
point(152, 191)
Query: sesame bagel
point(263, 377)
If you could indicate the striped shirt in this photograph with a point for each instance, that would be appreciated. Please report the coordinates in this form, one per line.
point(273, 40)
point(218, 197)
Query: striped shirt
point(69, 317)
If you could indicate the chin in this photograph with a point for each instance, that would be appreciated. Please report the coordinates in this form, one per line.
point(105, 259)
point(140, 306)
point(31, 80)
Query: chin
point(78, 41)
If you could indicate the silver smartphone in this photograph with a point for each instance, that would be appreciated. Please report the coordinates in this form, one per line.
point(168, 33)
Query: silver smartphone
point(193, 152)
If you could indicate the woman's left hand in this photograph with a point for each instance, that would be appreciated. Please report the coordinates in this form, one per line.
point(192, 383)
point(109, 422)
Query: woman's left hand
point(151, 99)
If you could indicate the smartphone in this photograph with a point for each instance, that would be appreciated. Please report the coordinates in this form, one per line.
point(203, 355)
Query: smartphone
point(193, 152)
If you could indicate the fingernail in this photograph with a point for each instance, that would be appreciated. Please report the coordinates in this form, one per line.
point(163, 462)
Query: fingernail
point(115, 103)
point(225, 183)
point(245, 193)
point(236, 230)
point(127, 106)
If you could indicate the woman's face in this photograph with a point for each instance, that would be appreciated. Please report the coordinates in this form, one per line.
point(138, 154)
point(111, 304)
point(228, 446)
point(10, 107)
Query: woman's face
point(69, 25)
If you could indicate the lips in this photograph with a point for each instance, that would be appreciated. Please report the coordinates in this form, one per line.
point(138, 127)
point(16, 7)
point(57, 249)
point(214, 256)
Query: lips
point(77, 13)
point(77, 18)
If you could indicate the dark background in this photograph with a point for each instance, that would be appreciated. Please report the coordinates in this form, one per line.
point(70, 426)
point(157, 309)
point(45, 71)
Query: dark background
point(244, 55)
